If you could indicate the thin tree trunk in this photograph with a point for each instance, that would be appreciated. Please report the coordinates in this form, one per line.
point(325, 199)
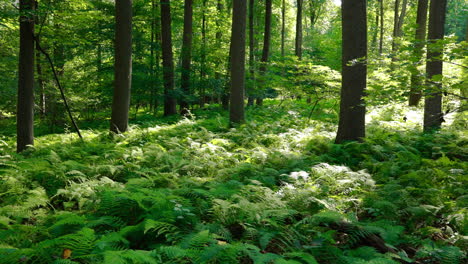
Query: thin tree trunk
point(219, 35)
point(203, 51)
point(168, 59)
point(376, 32)
point(283, 26)
point(239, 14)
point(352, 108)
point(298, 49)
point(419, 43)
point(398, 25)
point(382, 28)
point(433, 116)
point(186, 56)
point(123, 66)
point(251, 53)
point(266, 47)
point(25, 104)
point(40, 81)
point(152, 56)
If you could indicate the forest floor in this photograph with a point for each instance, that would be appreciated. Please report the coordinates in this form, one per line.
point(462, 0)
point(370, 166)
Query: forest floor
point(274, 190)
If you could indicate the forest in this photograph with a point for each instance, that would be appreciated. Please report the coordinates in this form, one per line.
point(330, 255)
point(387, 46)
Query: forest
point(233, 131)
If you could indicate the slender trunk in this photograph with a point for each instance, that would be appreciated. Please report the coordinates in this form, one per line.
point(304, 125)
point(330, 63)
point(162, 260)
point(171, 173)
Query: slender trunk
point(419, 43)
point(251, 53)
point(266, 48)
point(382, 13)
point(40, 81)
point(396, 13)
point(219, 34)
point(25, 104)
point(239, 13)
point(376, 32)
point(203, 52)
point(398, 25)
point(123, 66)
point(186, 56)
point(152, 58)
point(433, 116)
point(283, 26)
point(168, 59)
point(299, 29)
point(352, 108)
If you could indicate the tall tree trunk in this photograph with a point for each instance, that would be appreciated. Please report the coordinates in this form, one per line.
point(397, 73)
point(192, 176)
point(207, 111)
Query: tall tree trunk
point(298, 49)
point(123, 66)
point(382, 28)
point(186, 56)
point(419, 43)
point(398, 25)
point(219, 34)
point(239, 14)
point(40, 80)
point(25, 104)
point(203, 51)
point(266, 48)
point(377, 22)
point(352, 108)
point(251, 53)
point(283, 26)
point(433, 116)
point(168, 59)
point(152, 56)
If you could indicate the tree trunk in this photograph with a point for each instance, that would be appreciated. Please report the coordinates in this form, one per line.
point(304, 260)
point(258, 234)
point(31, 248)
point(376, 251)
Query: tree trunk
point(433, 116)
point(40, 80)
point(239, 14)
point(152, 56)
point(283, 26)
point(123, 66)
point(298, 50)
point(219, 34)
point(352, 108)
point(25, 104)
point(419, 43)
point(186, 56)
point(251, 53)
point(376, 32)
point(203, 50)
point(397, 25)
point(382, 14)
point(168, 59)
point(266, 48)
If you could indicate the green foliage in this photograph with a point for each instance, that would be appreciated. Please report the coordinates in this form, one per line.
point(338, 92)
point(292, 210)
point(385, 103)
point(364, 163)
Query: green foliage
point(275, 190)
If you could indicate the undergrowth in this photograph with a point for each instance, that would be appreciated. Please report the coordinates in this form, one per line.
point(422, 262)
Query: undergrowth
point(274, 190)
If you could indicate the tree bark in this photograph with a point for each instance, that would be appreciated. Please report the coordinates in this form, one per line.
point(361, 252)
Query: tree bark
point(186, 56)
point(298, 50)
point(219, 34)
point(251, 52)
point(123, 66)
point(239, 14)
point(382, 14)
point(168, 59)
point(397, 25)
point(266, 48)
point(203, 50)
point(419, 43)
point(283, 27)
point(25, 104)
point(433, 116)
point(354, 73)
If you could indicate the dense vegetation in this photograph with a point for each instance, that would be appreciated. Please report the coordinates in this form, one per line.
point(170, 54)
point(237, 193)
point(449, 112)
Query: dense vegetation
point(274, 190)
point(325, 163)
